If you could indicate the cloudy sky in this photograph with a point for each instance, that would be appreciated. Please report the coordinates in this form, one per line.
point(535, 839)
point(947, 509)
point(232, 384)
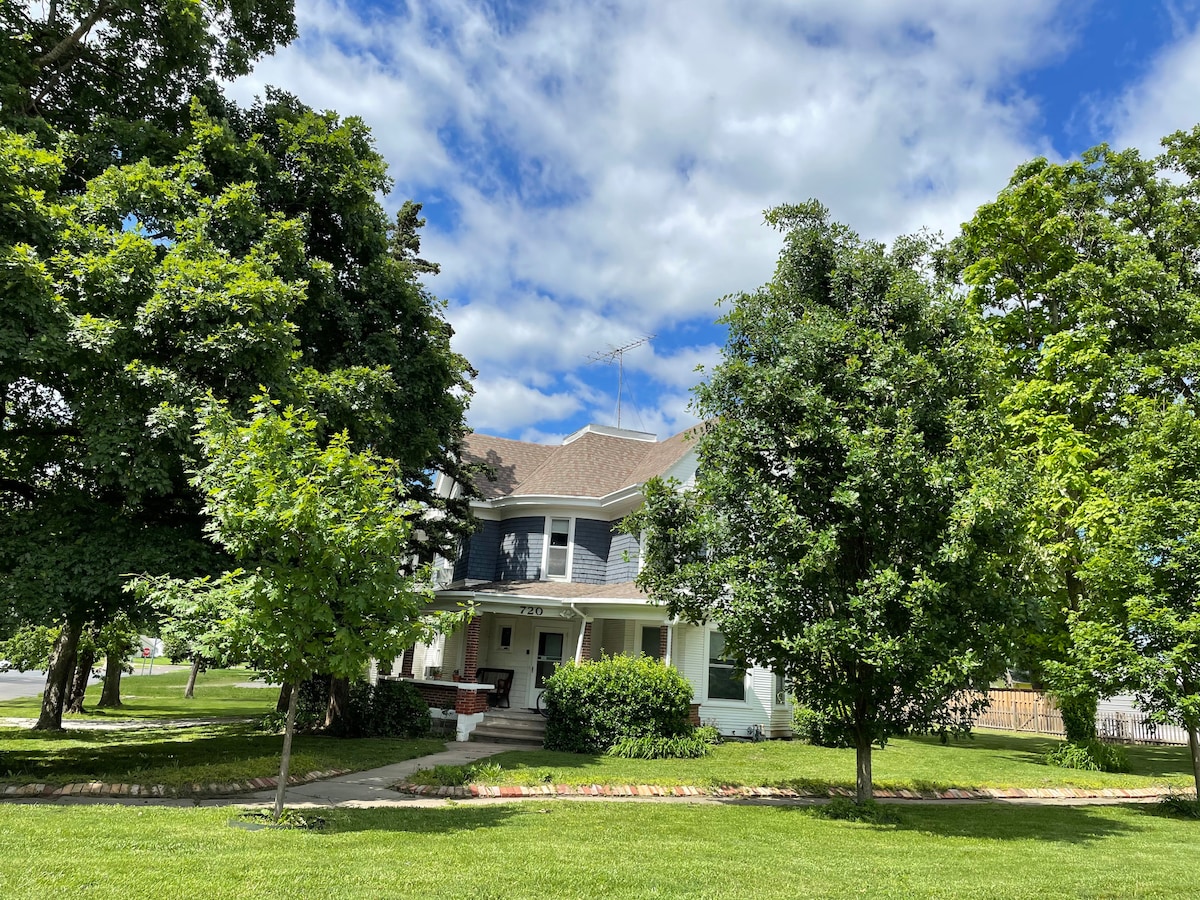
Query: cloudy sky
point(594, 173)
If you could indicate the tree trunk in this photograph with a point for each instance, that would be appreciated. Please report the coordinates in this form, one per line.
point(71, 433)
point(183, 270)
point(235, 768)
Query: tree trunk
point(189, 692)
point(286, 758)
point(58, 677)
point(339, 700)
point(285, 696)
point(114, 668)
point(1194, 746)
point(864, 787)
point(83, 671)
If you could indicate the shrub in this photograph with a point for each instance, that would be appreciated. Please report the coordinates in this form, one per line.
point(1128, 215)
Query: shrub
point(386, 709)
point(1079, 717)
point(818, 728)
point(1091, 756)
point(709, 734)
point(684, 746)
point(1180, 806)
point(457, 776)
point(595, 704)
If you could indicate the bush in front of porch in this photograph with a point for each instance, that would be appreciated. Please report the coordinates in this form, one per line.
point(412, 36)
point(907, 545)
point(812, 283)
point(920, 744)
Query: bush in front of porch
point(595, 704)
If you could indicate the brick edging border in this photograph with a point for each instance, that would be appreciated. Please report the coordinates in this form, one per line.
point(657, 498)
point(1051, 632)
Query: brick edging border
point(103, 789)
point(651, 790)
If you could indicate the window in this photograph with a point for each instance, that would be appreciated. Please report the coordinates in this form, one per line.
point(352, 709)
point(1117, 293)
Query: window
point(652, 641)
point(504, 635)
point(726, 680)
point(558, 549)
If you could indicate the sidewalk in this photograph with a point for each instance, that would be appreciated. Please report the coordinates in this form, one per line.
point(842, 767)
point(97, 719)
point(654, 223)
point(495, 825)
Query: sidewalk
point(373, 788)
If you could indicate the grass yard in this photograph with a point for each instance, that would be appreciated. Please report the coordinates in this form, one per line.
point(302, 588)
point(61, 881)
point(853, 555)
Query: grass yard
point(617, 850)
point(987, 760)
point(180, 757)
point(161, 697)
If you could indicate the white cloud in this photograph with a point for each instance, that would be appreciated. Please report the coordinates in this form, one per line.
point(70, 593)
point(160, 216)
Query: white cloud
point(607, 165)
point(1163, 102)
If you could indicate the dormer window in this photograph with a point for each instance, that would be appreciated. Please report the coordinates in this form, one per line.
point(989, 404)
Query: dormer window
point(558, 549)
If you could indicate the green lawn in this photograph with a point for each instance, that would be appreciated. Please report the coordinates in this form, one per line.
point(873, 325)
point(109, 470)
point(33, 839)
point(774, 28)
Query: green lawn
point(161, 697)
point(986, 760)
point(180, 757)
point(566, 849)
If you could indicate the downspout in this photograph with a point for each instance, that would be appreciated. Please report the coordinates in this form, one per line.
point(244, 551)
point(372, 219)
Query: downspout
point(579, 643)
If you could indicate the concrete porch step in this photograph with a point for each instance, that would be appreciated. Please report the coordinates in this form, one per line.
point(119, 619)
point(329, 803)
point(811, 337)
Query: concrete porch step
point(511, 726)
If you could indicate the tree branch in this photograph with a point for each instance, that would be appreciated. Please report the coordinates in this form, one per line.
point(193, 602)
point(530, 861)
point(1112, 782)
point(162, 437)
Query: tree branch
point(67, 44)
point(21, 488)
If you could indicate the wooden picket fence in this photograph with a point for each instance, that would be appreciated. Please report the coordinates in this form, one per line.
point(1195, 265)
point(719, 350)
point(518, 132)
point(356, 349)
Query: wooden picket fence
point(1021, 711)
point(1034, 712)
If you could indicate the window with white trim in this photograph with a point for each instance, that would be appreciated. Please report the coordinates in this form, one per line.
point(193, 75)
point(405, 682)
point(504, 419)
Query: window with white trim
point(726, 680)
point(558, 548)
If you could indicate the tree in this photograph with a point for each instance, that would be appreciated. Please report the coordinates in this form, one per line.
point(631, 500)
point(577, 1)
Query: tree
point(848, 527)
point(1139, 628)
point(198, 627)
point(319, 527)
point(1086, 273)
point(260, 258)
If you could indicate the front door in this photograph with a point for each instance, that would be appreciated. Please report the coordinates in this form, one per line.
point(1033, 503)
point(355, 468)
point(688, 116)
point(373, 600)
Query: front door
point(550, 646)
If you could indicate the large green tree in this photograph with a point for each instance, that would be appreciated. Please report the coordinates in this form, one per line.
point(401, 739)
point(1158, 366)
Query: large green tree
point(849, 525)
point(1086, 274)
point(256, 256)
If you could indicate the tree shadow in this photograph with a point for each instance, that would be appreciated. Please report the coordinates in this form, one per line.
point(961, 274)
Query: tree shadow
point(426, 820)
point(997, 821)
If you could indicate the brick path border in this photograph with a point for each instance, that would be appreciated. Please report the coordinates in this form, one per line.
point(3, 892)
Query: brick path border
point(103, 789)
point(730, 792)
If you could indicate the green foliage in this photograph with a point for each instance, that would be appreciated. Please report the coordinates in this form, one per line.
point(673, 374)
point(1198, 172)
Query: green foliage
point(1079, 717)
point(458, 776)
point(385, 709)
point(710, 734)
point(681, 746)
point(595, 704)
point(843, 809)
point(1180, 806)
point(29, 648)
point(1090, 756)
point(818, 728)
point(850, 527)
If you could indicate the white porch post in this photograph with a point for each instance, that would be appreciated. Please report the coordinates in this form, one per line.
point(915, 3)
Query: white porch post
point(670, 643)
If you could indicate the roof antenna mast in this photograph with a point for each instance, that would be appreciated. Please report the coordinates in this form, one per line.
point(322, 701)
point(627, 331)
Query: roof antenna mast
point(618, 354)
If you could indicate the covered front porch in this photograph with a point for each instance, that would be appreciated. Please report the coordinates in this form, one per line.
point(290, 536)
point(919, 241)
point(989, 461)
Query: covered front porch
point(520, 633)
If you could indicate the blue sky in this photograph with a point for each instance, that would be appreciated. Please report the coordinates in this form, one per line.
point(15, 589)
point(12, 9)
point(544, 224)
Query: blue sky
point(595, 172)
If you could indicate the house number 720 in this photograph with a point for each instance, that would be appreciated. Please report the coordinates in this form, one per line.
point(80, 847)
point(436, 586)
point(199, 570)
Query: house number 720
point(531, 610)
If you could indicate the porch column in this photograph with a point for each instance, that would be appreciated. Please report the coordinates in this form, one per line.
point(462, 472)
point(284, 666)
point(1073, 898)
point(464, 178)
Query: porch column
point(664, 643)
point(584, 650)
point(471, 655)
point(406, 663)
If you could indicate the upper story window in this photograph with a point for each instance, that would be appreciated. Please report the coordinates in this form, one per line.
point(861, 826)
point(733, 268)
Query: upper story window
point(558, 548)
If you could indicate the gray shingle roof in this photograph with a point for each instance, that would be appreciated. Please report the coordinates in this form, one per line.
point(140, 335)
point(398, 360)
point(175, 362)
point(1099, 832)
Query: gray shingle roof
point(593, 465)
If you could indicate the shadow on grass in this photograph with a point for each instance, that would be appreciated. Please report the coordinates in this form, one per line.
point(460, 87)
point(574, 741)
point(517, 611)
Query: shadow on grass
point(155, 755)
point(1002, 822)
point(449, 820)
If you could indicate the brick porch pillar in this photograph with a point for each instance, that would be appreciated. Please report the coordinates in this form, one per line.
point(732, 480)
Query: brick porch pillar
point(471, 657)
point(406, 663)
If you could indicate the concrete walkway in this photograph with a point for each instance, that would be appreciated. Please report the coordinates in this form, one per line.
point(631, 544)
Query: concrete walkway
point(373, 787)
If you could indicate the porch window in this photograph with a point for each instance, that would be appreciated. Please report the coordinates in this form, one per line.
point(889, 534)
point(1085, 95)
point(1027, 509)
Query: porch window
point(726, 681)
point(558, 550)
point(651, 641)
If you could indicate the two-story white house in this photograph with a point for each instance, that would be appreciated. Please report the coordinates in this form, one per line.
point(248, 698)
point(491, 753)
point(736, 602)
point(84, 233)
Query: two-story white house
point(550, 576)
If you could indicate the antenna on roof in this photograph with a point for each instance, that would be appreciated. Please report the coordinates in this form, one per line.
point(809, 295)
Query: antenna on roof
point(618, 354)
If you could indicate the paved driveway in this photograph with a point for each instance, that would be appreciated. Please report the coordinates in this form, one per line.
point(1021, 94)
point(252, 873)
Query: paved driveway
point(15, 684)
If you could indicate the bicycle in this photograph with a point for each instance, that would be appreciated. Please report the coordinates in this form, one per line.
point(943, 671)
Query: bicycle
point(540, 705)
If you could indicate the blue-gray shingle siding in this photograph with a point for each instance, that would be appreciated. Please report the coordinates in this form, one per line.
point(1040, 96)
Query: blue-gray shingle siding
point(621, 569)
point(589, 556)
point(483, 551)
point(521, 541)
